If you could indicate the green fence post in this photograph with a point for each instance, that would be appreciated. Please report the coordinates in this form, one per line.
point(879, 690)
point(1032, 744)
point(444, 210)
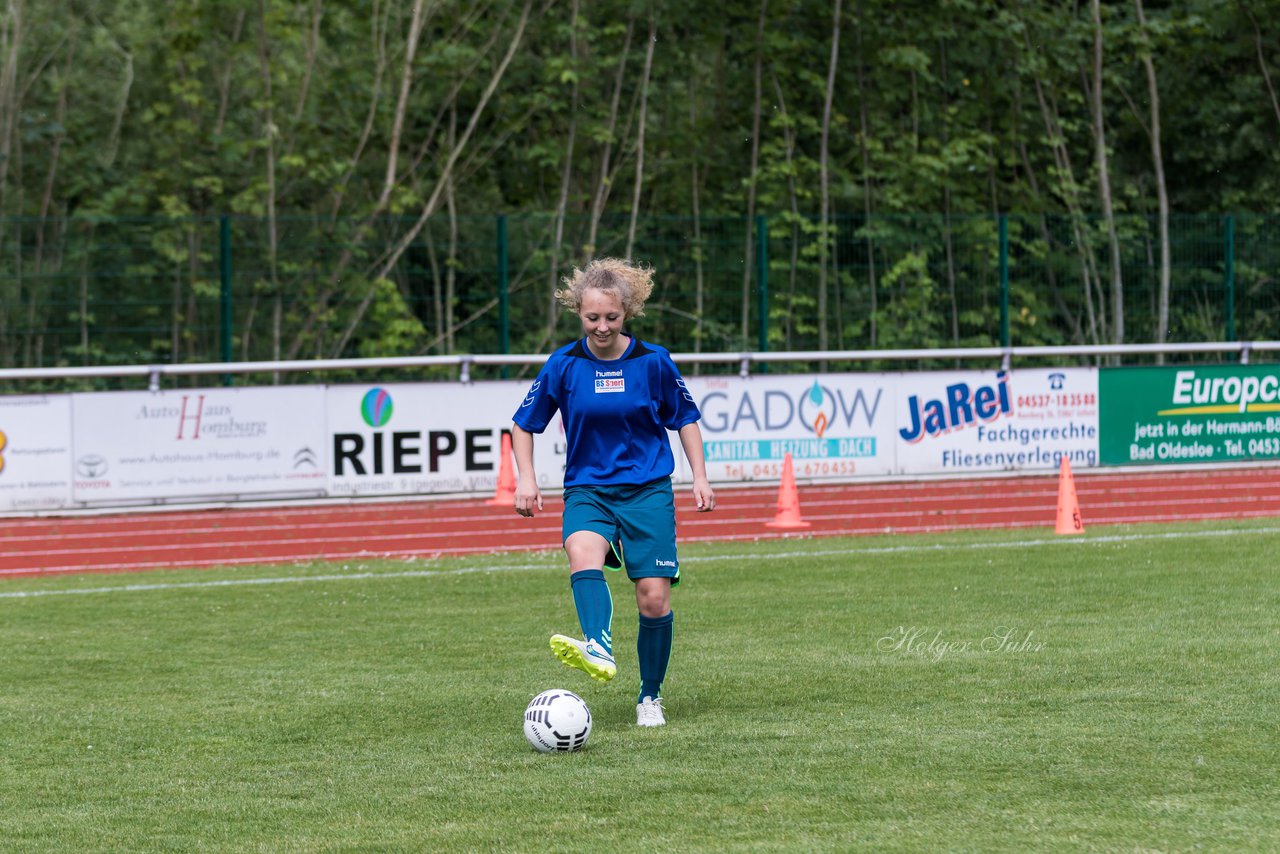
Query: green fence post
point(504, 283)
point(1003, 223)
point(1229, 272)
point(762, 282)
point(224, 253)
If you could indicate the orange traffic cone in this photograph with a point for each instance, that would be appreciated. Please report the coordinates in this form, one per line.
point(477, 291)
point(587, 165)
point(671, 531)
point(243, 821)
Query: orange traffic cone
point(506, 492)
point(788, 515)
point(1069, 521)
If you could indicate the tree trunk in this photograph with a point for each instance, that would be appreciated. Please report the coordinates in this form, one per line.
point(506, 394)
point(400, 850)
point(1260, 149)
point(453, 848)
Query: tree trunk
point(389, 181)
point(451, 262)
point(606, 153)
point(55, 153)
point(389, 178)
point(947, 242)
point(194, 341)
point(1077, 335)
point(757, 109)
point(83, 312)
point(948, 246)
point(824, 167)
point(1262, 63)
point(379, 30)
point(644, 113)
point(107, 156)
point(309, 65)
point(224, 82)
point(1104, 181)
point(37, 309)
point(175, 316)
point(566, 180)
point(695, 193)
point(793, 196)
point(864, 135)
point(1062, 160)
point(11, 33)
point(1162, 191)
point(384, 265)
point(437, 291)
point(246, 331)
point(273, 238)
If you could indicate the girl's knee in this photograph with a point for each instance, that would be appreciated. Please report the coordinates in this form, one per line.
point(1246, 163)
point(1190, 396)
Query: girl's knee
point(653, 596)
point(585, 550)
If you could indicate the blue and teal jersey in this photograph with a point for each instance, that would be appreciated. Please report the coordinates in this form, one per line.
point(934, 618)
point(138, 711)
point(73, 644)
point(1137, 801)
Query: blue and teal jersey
point(616, 413)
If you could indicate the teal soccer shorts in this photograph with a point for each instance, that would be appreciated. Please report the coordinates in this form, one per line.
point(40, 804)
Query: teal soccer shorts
point(642, 519)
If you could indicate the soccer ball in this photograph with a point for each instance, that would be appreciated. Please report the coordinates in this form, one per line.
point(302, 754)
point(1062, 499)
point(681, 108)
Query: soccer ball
point(557, 721)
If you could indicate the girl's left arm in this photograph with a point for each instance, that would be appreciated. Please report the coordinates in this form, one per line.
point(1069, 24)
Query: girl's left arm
point(691, 441)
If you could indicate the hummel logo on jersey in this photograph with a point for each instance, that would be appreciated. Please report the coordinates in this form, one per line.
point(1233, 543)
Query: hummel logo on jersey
point(610, 381)
point(670, 563)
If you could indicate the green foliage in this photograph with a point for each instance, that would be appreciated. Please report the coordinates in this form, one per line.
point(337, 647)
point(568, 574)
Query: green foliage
point(912, 319)
point(397, 331)
point(292, 109)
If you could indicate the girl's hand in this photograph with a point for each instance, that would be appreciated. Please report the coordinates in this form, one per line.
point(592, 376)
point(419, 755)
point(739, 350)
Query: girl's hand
point(528, 496)
point(703, 495)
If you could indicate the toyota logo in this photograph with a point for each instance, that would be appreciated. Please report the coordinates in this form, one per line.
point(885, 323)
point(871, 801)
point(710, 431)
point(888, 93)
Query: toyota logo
point(91, 466)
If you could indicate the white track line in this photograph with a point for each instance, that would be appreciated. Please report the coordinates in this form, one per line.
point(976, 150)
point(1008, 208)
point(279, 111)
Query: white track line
point(700, 530)
point(754, 555)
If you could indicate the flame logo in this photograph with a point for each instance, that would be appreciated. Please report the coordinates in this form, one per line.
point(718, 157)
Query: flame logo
point(820, 423)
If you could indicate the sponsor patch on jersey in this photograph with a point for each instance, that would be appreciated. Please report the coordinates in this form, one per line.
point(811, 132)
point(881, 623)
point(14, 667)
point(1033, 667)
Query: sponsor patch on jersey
point(608, 385)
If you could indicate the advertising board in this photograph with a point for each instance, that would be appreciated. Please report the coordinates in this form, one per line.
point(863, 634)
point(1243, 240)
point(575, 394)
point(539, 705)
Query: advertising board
point(424, 438)
point(199, 443)
point(972, 421)
point(833, 425)
point(1200, 414)
point(35, 452)
point(446, 438)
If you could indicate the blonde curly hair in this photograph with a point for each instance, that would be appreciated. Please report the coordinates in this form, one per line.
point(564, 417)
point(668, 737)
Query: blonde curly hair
point(632, 283)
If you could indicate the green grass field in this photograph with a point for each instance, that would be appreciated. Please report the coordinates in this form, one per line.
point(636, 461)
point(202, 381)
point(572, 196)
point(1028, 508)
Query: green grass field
point(825, 695)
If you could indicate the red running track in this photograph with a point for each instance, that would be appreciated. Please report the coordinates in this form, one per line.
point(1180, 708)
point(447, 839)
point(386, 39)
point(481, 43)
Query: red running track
point(435, 528)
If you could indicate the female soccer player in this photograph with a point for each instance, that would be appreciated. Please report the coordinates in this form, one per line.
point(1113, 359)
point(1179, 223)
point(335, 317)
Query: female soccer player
point(618, 396)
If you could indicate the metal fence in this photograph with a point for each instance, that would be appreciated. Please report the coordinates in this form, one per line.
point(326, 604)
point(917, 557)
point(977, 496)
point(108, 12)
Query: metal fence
point(83, 292)
point(464, 369)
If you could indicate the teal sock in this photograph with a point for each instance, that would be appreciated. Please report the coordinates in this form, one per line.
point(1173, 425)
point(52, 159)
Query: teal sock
point(595, 606)
point(653, 648)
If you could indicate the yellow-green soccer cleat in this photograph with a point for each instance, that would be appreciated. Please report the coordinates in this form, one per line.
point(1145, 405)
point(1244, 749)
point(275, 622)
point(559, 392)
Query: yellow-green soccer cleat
point(588, 656)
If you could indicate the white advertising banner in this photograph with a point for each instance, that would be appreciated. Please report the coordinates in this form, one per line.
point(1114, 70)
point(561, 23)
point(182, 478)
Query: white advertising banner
point(199, 443)
point(833, 425)
point(445, 438)
point(35, 452)
point(973, 421)
point(420, 438)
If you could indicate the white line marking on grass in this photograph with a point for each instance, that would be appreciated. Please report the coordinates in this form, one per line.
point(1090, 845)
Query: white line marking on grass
point(943, 547)
point(281, 579)
point(739, 558)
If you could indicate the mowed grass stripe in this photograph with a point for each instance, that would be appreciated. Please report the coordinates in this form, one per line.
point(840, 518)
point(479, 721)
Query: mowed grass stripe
point(1130, 704)
point(481, 566)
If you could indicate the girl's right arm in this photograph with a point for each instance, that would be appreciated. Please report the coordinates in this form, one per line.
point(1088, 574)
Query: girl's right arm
point(528, 496)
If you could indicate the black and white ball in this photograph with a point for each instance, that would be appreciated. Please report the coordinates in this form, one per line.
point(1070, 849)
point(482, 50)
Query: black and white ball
point(557, 721)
